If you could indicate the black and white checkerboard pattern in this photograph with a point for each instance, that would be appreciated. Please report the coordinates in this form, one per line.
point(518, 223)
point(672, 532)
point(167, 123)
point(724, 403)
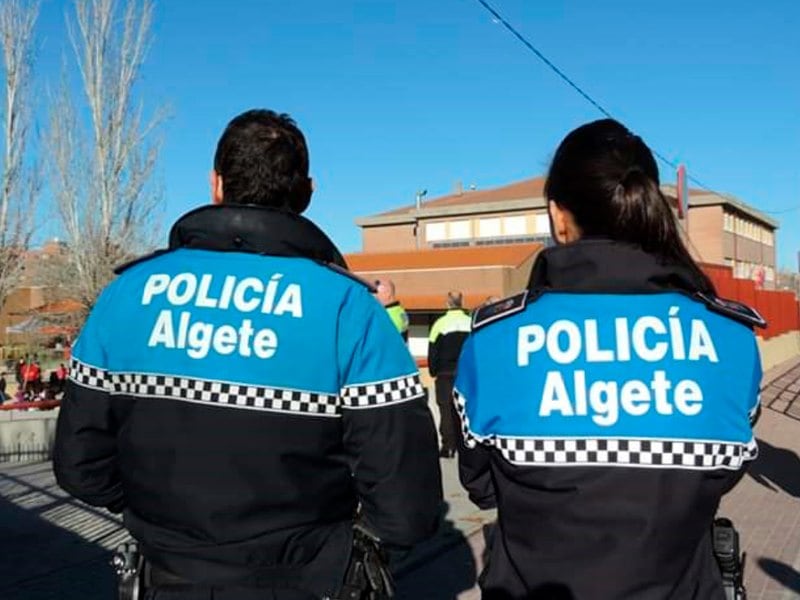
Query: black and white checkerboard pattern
point(88, 376)
point(680, 454)
point(461, 411)
point(225, 394)
point(625, 452)
point(383, 392)
point(218, 393)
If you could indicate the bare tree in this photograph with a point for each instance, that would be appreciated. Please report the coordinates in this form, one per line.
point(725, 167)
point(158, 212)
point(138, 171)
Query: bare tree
point(19, 180)
point(102, 173)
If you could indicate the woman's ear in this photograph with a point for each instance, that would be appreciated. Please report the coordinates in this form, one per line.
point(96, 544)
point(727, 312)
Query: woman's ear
point(563, 227)
point(558, 222)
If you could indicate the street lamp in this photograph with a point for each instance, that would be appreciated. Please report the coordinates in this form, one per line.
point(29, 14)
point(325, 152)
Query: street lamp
point(420, 195)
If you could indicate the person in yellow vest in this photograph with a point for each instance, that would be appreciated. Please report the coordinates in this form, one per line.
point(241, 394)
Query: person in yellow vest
point(386, 295)
point(444, 347)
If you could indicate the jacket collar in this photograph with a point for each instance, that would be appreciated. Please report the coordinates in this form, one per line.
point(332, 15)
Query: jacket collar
point(600, 265)
point(256, 229)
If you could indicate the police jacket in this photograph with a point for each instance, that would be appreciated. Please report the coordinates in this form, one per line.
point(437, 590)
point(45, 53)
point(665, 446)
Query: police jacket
point(607, 409)
point(238, 396)
point(445, 340)
point(399, 318)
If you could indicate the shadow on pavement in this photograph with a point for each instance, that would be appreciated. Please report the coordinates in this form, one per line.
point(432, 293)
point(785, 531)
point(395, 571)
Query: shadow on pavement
point(776, 467)
point(42, 561)
point(438, 569)
point(781, 573)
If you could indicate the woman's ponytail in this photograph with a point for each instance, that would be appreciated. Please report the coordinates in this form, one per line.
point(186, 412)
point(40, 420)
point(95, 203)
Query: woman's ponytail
point(608, 179)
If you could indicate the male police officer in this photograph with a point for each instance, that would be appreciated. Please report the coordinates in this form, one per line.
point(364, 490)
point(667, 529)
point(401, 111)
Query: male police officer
point(239, 395)
point(444, 346)
point(386, 295)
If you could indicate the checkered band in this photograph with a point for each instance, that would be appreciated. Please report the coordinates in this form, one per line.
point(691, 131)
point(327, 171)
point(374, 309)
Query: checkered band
point(88, 376)
point(382, 393)
point(625, 452)
point(461, 409)
point(220, 393)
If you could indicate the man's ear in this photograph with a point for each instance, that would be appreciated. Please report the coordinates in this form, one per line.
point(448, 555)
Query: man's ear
point(215, 179)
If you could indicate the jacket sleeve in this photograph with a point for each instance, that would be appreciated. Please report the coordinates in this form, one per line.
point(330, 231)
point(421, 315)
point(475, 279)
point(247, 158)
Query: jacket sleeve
point(434, 340)
point(388, 431)
point(474, 458)
point(85, 453)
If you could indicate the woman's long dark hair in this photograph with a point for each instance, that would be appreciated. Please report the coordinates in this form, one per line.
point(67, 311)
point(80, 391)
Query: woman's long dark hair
point(608, 179)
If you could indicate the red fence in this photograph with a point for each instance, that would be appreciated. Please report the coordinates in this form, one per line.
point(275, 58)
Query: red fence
point(780, 309)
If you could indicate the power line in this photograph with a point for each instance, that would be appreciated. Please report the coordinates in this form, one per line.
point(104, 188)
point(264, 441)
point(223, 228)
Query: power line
point(543, 58)
point(500, 19)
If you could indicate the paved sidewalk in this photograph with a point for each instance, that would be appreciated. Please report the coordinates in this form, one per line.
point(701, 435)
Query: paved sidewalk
point(54, 547)
point(765, 506)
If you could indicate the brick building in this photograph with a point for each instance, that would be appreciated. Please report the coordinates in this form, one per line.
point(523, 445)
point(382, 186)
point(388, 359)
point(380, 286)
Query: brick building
point(483, 242)
point(721, 230)
point(19, 323)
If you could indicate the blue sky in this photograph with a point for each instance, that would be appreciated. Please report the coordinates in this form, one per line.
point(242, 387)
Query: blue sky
point(400, 95)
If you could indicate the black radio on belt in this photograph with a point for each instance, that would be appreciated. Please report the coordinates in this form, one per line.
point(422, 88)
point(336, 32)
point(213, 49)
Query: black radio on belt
point(731, 563)
point(127, 563)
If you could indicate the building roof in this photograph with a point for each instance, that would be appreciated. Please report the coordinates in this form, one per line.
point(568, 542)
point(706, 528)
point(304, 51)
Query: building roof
point(519, 190)
point(525, 195)
point(59, 307)
point(520, 195)
point(510, 255)
point(710, 198)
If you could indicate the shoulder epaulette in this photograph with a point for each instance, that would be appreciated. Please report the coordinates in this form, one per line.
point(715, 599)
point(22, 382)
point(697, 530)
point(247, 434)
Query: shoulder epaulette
point(733, 310)
point(141, 259)
point(347, 273)
point(499, 310)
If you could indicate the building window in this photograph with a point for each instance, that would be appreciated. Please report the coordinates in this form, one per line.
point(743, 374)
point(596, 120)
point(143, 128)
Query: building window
point(459, 230)
point(770, 275)
point(545, 240)
point(435, 232)
point(451, 244)
point(489, 227)
point(542, 224)
point(515, 225)
point(727, 222)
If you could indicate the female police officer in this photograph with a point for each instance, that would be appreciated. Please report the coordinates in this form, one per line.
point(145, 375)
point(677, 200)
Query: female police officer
point(607, 408)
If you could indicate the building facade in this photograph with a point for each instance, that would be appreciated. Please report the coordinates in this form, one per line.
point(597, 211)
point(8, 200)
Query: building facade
point(483, 243)
point(720, 230)
point(423, 278)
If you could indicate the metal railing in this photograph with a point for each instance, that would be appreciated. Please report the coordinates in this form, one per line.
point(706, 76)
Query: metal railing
point(26, 453)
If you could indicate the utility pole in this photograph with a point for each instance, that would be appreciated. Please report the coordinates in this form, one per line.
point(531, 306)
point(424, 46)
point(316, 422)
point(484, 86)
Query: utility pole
point(420, 195)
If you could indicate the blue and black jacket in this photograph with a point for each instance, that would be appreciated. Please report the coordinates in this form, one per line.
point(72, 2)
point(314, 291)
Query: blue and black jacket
point(606, 410)
point(238, 397)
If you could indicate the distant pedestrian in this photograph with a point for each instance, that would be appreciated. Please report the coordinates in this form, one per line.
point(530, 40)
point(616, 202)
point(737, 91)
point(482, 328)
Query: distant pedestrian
point(444, 347)
point(31, 378)
point(18, 372)
point(398, 314)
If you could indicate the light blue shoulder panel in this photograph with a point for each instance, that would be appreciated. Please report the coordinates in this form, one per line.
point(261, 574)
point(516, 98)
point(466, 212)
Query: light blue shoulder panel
point(574, 375)
point(245, 330)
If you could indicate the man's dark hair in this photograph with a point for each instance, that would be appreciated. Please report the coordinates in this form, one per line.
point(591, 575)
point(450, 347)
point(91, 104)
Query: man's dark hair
point(262, 158)
point(607, 178)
